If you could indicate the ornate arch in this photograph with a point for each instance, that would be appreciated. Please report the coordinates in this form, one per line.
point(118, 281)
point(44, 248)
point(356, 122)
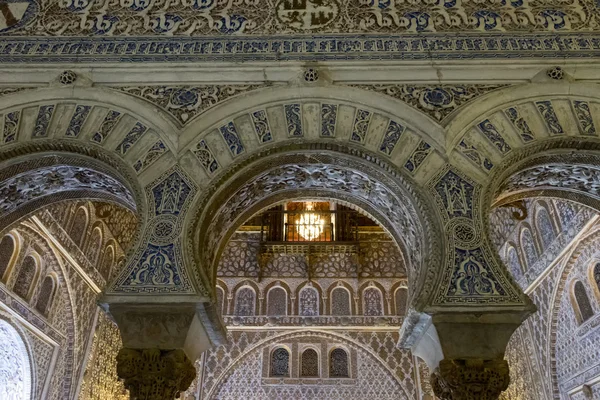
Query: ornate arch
point(315, 171)
point(23, 346)
point(343, 342)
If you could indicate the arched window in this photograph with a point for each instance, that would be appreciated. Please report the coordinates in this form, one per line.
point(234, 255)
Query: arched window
point(220, 297)
point(338, 364)
point(309, 301)
point(15, 372)
point(280, 363)
point(107, 262)
point(401, 298)
point(244, 301)
point(528, 247)
point(583, 302)
point(277, 301)
point(79, 226)
point(7, 249)
point(372, 302)
point(25, 278)
point(309, 364)
point(340, 301)
point(44, 301)
point(94, 246)
point(597, 275)
point(514, 265)
point(545, 228)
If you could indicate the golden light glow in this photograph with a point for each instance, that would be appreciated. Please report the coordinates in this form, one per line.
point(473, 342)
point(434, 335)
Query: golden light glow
point(310, 225)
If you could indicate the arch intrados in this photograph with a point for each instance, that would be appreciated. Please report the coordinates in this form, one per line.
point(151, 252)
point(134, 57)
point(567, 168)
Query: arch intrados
point(46, 158)
point(25, 347)
point(394, 109)
point(214, 210)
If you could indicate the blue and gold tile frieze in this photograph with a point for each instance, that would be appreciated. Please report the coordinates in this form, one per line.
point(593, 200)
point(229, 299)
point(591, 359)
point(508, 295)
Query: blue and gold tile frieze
point(282, 48)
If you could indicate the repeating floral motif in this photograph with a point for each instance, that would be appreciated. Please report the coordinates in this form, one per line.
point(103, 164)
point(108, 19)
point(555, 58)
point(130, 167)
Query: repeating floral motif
point(491, 132)
point(361, 125)
point(546, 109)
point(77, 120)
point(107, 126)
point(261, 126)
point(202, 17)
point(131, 138)
point(392, 134)
point(232, 138)
point(42, 121)
point(11, 125)
point(584, 118)
point(418, 156)
point(328, 119)
point(520, 124)
point(185, 103)
point(436, 101)
point(206, 157)
point(471, 152)
point(151, 155)
point(293, 116)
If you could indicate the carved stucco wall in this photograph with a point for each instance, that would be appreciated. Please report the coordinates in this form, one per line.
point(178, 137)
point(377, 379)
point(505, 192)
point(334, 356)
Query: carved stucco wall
point(551, 355)
point(59, 352)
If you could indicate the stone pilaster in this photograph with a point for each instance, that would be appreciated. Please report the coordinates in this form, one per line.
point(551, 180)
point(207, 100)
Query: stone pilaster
point(473, 379)
point(154, 374)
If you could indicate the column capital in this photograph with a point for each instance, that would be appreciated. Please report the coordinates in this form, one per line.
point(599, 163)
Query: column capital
point(470, 379)
point(154, 374)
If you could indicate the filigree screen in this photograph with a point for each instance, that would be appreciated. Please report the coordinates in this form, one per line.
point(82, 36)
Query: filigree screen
point(25, 277)
point(545, 228)
point(340, 302)
point(310, 364)
point(280, 363)
point(583, 302)
point(277, 302)
point(45, 297)
point(372, 302)
point(309, 302)
point(338, 364)
point(244, 302)
point(401, 301)
point(7, 248)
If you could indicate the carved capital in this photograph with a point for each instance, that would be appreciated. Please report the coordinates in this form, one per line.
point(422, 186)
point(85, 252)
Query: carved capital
point(470, 379)
point(154, 374)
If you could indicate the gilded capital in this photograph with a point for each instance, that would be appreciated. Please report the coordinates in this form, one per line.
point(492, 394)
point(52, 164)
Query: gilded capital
point(154, 374)
point(470, 379)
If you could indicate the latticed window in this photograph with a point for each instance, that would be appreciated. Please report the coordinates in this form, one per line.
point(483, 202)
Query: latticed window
point(277, 301)
point(338, 364)
point(280, 363)
point(401, 301)
point(25, 277)
point(7, 248)
point(528, 246)
point(244, 302)
point(340, 302)
point(597, 275)
point(583, 302)
point(45, 298)
point(94, 246)
point(372, 302)
point(310, 364)
point(513, 262)
point(79, 225)
point(220, 297)
point(309, 301)
point(107, 262)
point(545, 228)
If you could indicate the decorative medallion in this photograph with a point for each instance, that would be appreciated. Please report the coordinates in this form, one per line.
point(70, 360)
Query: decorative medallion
point(463, 232)
point(307, 14)
point(15, 14)
point(164, 229)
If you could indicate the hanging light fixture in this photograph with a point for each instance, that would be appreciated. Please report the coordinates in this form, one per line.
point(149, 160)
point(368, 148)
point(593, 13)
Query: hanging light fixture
point(310, 225)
